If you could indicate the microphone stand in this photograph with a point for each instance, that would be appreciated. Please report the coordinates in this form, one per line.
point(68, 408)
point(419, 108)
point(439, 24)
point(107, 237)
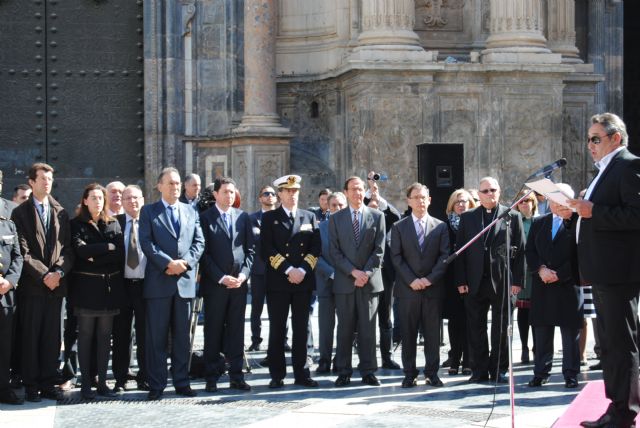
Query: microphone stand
point(507, 218)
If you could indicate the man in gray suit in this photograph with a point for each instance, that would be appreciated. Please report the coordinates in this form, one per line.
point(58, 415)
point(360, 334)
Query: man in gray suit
point(356, 237)
point(171, 238)
point(324, 288)
point(419, 246)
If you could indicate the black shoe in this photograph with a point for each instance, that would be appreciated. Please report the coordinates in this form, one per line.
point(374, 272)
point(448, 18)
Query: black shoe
point(276, 383)
point(211, 386)
point(537, 381)
point(51, 394)
point(240, 385)
point(433, 381)
point(409, 382)
point(604, 421)
point(186, 391)
point(32, 396)
point(343, 380)
point(446, 363)
point(87, 394)
point(154, 395)
point(323, 368)
point(571, 382)
point(453, 371)
point(264, 362)
point(524, 356)
point(308, 382)
point(583, 363)
point(287, 348)
point(120, 387)
point(477, 378)
point(7, 396)
point(104, 391)
point(143, 386)
point(371, 380)
point(499, 379)
point(391, 365)
point(467, 371)
point(596, 366)
point(254, 347)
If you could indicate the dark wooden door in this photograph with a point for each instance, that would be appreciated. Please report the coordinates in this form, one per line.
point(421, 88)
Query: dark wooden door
point(71, 92)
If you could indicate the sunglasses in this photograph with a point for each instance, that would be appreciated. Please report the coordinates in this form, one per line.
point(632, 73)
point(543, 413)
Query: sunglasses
point(596, 139)
point(267, 194)
point(525, 201)
point(487, 191)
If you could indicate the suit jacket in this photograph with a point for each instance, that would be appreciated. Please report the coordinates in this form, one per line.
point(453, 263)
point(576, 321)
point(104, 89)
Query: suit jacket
point(43, 253)
point(287, 245)
point(320, 215)
point(555, 303)
point(225, 254)
point(469, 266)
point(258, 266)
point(11, 265)
point(366, 255)
point(324, 269)
point(411, 262)
point(161, 245)
point(6, 207)
point(608, 248)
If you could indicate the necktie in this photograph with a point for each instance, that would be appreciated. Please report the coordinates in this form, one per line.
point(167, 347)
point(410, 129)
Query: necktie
point(557, 223)
point(291, 218)
point(174, 219)
point(356, 227)
point(42, 210)
point(420, 234)
point(132, 250)
point(227, 223)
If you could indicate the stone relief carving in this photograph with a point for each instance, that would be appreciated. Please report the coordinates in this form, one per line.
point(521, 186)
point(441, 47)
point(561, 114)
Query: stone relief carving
point(486, 16)
point(188, 13)
point(436, 15)
point(269, 166)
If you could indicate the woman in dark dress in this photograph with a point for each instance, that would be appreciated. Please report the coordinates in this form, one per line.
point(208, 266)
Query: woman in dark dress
point(96, 283)
point(459, 201)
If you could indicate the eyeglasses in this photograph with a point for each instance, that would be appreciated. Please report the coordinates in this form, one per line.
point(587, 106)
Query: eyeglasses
point(419, 198)
point(596, 139)
point(267, 194)
point(487, 191)
point(526, 201)
point(461, 202)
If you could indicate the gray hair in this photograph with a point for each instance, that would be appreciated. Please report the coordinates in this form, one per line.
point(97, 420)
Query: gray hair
point(338, 195)
point(612, 124)
point(489, 178)
point(165, 171)
point(190, 177)
point(113, 184)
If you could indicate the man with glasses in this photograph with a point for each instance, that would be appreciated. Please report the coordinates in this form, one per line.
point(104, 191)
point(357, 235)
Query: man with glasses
point(607, 233)
point(482, 281)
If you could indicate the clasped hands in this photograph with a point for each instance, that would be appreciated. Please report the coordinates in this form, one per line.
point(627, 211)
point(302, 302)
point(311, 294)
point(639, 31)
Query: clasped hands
point(5, 286)
point(419, 284)
point(547, 275)
point(233, 282)
point(176, 267)
point(361, 278)
point(295, 276)
point(52, 280)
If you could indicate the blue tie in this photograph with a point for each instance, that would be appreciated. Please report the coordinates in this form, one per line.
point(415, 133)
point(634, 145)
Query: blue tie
point(557, 223)
point(227, 222)
point(175, 221)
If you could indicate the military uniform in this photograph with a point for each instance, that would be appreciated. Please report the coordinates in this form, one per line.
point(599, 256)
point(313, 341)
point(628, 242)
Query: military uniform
point(288, 243)
point(10, 269)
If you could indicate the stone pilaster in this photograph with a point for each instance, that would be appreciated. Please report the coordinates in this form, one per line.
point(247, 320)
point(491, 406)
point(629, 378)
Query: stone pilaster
point(596, 55)
point(387, 32)
point(561, 29)
point(516, 33)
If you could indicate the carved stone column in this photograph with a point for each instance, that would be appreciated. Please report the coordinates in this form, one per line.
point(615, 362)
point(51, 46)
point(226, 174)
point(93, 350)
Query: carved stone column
point(561, 29)
point(516, 33)
point(387, 32)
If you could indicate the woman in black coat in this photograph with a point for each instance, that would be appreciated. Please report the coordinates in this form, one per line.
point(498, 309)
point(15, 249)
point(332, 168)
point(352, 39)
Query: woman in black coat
point(96, 291)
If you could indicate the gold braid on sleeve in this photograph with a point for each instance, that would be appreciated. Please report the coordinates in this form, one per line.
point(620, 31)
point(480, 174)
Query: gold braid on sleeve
point(276, 261)
point(312, 260)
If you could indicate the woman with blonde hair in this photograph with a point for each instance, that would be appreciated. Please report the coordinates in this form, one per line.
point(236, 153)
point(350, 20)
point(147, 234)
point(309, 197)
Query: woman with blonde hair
point(459, 201)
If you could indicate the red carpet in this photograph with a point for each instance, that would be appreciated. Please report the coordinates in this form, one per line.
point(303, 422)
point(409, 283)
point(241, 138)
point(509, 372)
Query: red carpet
point(590, 404)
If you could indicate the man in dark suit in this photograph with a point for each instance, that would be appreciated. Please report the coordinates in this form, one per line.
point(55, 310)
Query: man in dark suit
point(608, 233)
point(10, 269)
point(419, 246)
point(325, 274)
point(290, 248)
point(134, 307)
point(322, 211)
point(357, 236)
point(225, 267)
point(45, 243)
point(171, 238)
point(268, 200)
point(480, 277)
point(191, 193)
point(555, 293)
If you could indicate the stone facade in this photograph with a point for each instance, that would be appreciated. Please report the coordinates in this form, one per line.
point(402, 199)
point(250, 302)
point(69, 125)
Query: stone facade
point(357, 85)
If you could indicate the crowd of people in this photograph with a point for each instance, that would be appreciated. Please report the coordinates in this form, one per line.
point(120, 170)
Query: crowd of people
point(122, 266)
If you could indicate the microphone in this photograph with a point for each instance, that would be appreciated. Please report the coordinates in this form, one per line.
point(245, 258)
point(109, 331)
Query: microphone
point(548, 169)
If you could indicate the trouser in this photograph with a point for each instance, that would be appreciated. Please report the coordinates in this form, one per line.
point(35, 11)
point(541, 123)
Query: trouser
point(544, 351)
point(326, 324)
point(90, 329)
point(258, 285)
point(6, 339)
point(384, 316)
point(420, 311)
point(132, 312)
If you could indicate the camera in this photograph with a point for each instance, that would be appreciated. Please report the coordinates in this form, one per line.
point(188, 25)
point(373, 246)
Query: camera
point(378, 177)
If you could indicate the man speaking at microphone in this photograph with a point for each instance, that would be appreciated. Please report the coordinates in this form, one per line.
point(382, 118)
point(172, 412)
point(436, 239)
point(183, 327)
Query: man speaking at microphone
point(608, 233)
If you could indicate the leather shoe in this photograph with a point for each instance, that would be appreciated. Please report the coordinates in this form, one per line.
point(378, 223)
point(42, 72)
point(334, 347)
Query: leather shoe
point(264, 362)
point(154, 395)
point(343, 380)
point(477, 378)
point(308, 382)
point(446, 363)
point(211, 386)
point(276, 383)
point(323, 368)
point(409, 382)
point(433, 381)
point(7, 396)
point(143, 386)
point(51, 394)
point(240, 385)
point(254, 347)
point(391, 365)
point(32, 396)
point(606, 420)
point(596, 366)
point(287, 348)
point(120, 387)
point(500, 378)
point(186, 391)
point(537, 381)
point(88, 394)
point(104, 391)
point(571, 382)
point(371, 380)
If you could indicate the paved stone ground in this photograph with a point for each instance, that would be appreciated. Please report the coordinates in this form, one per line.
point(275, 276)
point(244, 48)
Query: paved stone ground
point(457, 404)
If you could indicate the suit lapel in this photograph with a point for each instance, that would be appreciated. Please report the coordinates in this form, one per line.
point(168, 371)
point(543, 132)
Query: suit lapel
point(297, 221)
point(39, 229)
point(163, 216)
point(605, 172)
point(493, 233)
point(220, 222)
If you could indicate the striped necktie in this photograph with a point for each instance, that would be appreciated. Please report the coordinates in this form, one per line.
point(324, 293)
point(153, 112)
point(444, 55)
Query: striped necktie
point(356, 227)
point(420, 234)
